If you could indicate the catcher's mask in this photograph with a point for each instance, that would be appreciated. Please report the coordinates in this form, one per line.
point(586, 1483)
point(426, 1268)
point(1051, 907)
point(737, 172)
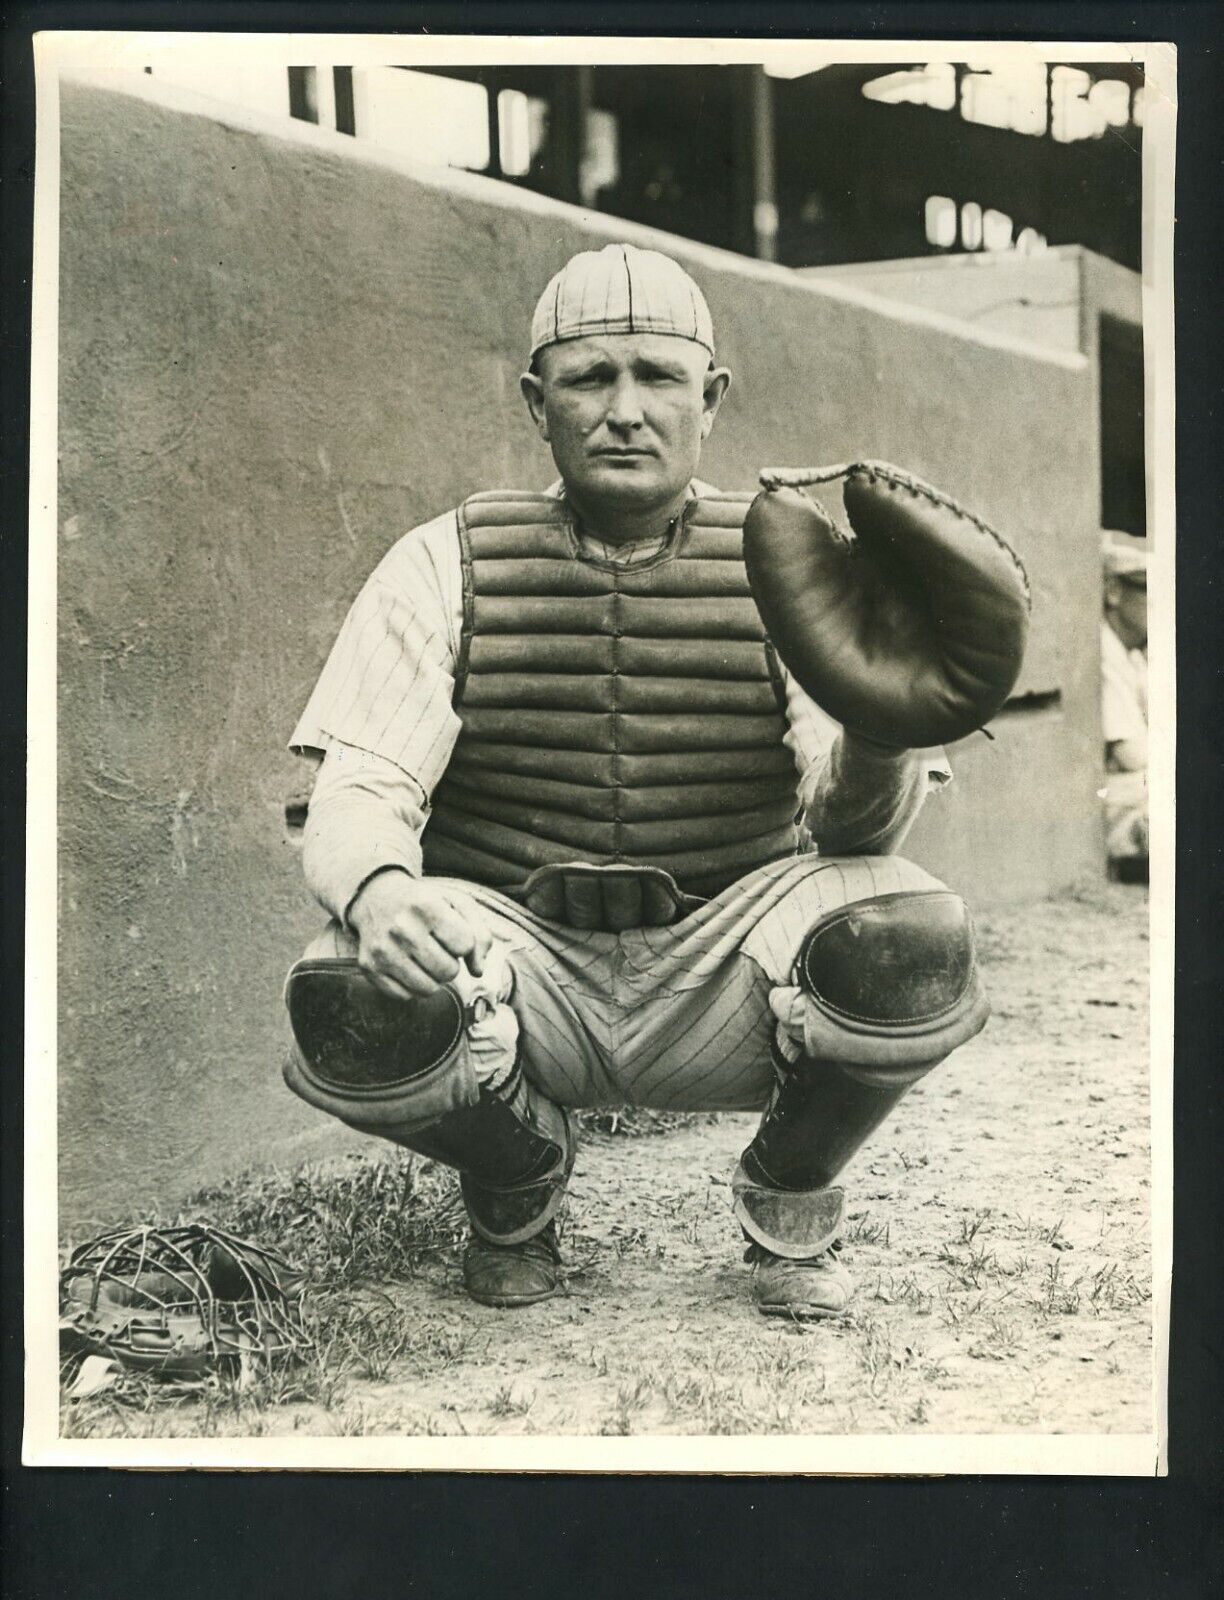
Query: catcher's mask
point(180, 1302)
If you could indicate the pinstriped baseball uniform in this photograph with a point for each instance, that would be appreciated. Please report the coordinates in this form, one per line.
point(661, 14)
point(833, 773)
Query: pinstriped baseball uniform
point(388, 685)
point(677, 1016)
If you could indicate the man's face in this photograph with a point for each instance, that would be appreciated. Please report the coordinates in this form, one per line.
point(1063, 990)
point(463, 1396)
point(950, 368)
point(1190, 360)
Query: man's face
point(625, 415)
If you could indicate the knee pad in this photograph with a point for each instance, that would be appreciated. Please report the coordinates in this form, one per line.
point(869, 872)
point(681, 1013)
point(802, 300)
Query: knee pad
point(890, 985)
point(403, 1069)
point(376, 1062)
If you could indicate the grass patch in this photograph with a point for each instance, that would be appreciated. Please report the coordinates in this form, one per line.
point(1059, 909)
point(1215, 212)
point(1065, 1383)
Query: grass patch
point(349, 1222)
point(638, 1122)
point(352, 1225)
point(764, 1386)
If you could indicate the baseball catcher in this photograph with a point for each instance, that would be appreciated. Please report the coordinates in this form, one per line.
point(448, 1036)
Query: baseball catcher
point(611, 780)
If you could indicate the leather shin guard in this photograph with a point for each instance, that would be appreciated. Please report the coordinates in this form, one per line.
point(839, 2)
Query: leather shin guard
point(890, 987)
point(514, 1150)
point(401, 1069)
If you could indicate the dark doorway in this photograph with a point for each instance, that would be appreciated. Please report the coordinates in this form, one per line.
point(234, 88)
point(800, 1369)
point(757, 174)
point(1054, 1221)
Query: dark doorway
point(1123, 476)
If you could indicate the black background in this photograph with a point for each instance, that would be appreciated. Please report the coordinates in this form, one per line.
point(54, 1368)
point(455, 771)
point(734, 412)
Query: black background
point(229, 1536)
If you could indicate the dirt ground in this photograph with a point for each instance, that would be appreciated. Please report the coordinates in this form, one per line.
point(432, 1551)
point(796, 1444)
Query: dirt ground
point(998, 1238)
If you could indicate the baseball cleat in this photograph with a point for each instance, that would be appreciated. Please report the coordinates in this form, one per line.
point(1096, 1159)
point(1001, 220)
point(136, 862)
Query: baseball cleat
point(818, 1287)
point(506, 1275)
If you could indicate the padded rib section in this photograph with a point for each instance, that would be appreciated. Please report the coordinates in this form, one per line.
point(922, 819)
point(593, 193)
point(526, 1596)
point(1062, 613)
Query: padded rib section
point(609, 713)
point(562, 691)
point(665, 658)
point(558, 691)
point(717, 697)
point(634, 732)
point(690, 577)
point(589, 731)
point(547, 575)
point(541, 652)
point(604, 803)
point(715, 733)
point(701, 617)
point(641, 836)
point(517, 853)
point(632, 772)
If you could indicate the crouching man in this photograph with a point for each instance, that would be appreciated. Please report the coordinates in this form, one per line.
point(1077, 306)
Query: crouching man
point(612, 776)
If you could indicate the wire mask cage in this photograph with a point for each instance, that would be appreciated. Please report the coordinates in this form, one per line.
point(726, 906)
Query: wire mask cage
point(182, 1301)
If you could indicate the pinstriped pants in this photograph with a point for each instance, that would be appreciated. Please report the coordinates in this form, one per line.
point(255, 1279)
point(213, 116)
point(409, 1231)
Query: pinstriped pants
point(675, 1017)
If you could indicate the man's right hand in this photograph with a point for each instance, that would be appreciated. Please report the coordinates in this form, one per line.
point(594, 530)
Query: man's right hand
point(412, 937)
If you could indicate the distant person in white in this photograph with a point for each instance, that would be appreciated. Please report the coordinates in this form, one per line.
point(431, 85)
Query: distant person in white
point(1124, 699)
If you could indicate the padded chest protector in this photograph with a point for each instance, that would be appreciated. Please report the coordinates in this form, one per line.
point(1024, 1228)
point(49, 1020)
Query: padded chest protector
point(611, 713)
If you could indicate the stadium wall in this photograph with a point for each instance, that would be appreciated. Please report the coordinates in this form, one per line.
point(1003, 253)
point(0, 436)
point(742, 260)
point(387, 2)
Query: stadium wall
point(279, 350)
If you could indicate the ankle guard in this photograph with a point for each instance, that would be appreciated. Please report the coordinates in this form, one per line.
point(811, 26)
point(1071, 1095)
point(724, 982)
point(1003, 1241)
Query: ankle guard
point(540, 1146)
point(889, 988)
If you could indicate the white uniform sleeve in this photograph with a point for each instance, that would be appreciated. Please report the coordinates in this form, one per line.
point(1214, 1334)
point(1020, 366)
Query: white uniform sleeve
point(388, 684)
point(381, 715)
point(1123, 692)
point(858, 799)
point(366, 814)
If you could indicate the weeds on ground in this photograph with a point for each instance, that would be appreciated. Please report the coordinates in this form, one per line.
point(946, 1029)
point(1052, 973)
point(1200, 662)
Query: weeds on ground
point(903, 1290)
point(995, 1283)
point(763, 1386)
point(863, 1230)
point(638, 1122)
point(510, 1402)
point(350, 1225)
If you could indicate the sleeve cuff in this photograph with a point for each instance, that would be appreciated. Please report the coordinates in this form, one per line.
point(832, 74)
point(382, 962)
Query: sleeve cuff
point(338, 874)
point(386, 866)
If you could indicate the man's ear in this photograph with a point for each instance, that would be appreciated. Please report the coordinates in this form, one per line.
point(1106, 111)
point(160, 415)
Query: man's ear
point(532, 388)
point(714, 386)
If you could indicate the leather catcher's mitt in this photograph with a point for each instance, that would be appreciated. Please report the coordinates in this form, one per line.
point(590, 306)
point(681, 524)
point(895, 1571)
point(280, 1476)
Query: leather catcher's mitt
point(180, 1302)
point(911, 629)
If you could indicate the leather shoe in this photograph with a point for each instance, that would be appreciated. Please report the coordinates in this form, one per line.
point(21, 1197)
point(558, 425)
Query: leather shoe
point(513, 1274)
point(818, 1287)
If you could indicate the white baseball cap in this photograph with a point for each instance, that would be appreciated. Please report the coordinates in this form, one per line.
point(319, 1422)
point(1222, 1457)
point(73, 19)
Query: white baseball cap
point(1125, 556)
point(621, 289)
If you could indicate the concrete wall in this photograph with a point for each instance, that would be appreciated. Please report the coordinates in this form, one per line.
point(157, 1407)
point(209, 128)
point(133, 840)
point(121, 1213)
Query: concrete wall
point(1055, 298)
point(1031, 297)
point(1068, 299)
point(278, 352)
